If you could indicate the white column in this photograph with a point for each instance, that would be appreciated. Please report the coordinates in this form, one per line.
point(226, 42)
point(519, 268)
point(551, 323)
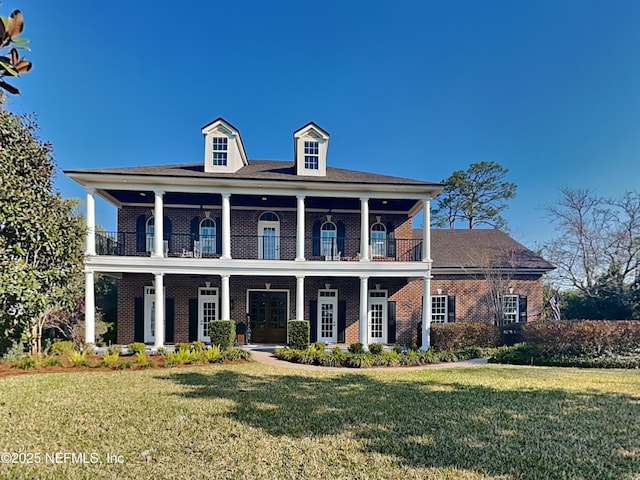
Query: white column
point(89, 309)
point(426, 313)
point(226, 226)
point(300, 229)
point(299, 298)
point(159, 310)
point(90, 244)
point(426, 230)
point(158, 225)
point(364, 229)
point(225, 311)
point(364, 312)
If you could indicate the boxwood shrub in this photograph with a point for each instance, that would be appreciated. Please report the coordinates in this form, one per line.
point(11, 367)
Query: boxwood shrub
point(456, 336)
point(222, 333)
point(299, 334)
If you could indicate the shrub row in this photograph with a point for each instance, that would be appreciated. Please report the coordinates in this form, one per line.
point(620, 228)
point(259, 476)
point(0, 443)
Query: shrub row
point(339, 358)
point(456, 336)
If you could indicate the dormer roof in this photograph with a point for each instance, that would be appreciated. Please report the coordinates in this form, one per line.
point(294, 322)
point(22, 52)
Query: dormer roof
point(310, 145)
point(235, 156)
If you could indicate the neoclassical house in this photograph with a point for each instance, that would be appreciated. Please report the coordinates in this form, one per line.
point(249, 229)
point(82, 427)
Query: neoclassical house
point(262, 242)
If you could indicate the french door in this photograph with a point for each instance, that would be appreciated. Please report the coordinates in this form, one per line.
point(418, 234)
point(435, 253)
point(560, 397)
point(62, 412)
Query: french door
point(268, 312)
point(327, 316)
point(377, 316)
point(207, 311)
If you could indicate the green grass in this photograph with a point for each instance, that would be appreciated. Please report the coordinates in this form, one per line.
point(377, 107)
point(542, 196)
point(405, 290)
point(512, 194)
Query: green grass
point(255, 421)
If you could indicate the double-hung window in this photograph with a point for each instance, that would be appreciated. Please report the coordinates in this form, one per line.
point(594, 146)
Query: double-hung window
point(439, 309)
point(311, 155)
point(510, 310)
point(220, 150)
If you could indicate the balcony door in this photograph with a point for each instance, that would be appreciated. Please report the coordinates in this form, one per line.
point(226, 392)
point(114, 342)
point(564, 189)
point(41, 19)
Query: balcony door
point(269, 236)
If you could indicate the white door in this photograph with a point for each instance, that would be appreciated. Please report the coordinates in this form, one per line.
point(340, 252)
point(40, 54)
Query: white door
point(149, 314)
point(327, 316)
point(207, 311)
point(268, 240)
point(377, 316)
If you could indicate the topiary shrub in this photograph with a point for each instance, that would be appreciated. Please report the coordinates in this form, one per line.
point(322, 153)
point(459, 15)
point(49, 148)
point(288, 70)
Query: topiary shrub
point(222, 333)
point(299, 334)
point(456, 336)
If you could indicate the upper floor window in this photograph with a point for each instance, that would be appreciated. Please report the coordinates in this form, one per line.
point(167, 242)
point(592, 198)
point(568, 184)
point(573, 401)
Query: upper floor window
point(149, 231)
point(269, 236)
point(311, 155)
point(328, 239)
point(378, 239)
point(438, 308)
point(207, 235)
point(220, 150)
point(510, 308)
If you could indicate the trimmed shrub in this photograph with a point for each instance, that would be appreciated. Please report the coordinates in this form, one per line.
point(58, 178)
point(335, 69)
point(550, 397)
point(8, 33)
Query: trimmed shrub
point(456, 336)
point(518, 354)
point(356, 348)
point(222, 333)
point(299, 334)
point(136, 347)
point(375, 348)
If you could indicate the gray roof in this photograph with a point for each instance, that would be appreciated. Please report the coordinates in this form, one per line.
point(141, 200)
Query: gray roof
point(258, 170)
point(479, 248)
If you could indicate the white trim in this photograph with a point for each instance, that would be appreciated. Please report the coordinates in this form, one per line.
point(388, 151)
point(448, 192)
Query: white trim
point(273, 251)
point(446, 308)
point(383, 302)
point(327, 300)
point(202, 299)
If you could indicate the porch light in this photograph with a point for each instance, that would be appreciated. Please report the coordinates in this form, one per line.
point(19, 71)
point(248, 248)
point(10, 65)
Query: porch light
point(264, 199)
point(377, 286)
point(327, 286)
point(267, 286)
point(511, 290)
point(439, 291)
point(207, 284)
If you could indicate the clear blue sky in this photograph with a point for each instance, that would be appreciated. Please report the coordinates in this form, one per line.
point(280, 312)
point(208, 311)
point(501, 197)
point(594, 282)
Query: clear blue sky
point(549, 89)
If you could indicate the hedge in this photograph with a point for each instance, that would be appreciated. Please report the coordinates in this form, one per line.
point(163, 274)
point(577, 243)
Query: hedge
point(222, 333)
point(299, 334)
point(456, 336)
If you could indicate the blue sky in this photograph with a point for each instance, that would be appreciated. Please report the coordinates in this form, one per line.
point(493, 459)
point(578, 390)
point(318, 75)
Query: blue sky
point(548, 89)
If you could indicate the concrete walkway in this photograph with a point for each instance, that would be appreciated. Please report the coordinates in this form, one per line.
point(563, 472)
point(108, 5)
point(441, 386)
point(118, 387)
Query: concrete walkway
point(264, 354)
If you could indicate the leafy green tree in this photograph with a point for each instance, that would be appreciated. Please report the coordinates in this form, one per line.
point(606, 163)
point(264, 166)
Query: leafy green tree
point(476, 196)
point(40, 237)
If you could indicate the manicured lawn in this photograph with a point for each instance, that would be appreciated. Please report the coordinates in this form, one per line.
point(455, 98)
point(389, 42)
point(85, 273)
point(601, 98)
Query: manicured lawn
point(254, 421)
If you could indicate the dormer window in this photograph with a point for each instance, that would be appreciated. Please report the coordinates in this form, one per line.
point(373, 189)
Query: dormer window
point(311, 155)
point(220, 149)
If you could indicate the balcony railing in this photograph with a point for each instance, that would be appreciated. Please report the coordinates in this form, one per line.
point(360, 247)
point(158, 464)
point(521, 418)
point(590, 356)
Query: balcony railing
point(258, 247)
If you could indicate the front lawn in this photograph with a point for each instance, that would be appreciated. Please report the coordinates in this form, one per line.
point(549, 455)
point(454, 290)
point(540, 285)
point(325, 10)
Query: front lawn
point(256, 421)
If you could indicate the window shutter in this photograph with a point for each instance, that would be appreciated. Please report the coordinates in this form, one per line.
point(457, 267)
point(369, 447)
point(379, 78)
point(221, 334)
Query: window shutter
point(166, 232)
point(522, 309)
point(451, 308)
point(342, 320)
point(341, 237)
point(316, 238)
point(313, 320)
point(193, 319)
point(391, 322)
point(138, 319)
point(218, 223)
point(169, 309)
point(141, 234)
point(391, 240)
point(195, 230)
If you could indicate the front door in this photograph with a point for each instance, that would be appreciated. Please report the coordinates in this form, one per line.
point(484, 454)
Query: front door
point(268, 310)
point(207, 311)
point(377, 316)
point(327, 316)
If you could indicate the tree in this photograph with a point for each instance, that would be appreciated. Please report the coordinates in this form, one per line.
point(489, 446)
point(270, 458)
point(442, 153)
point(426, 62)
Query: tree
point(40, 236)
point(11, 64)
point(476, 196)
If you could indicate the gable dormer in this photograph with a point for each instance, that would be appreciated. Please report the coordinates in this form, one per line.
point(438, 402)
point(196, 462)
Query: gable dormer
point(310, 145)
point(223, 148)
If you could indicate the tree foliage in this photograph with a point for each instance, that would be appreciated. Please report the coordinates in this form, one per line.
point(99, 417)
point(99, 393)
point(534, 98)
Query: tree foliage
point(476, 196)
point(11, 63)
point(40, 236)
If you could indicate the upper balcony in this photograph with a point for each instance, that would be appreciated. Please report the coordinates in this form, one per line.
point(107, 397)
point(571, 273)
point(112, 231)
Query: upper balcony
point(259, 247)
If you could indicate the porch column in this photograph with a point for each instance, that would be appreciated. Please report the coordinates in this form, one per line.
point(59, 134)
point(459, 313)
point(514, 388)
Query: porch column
point(158, 225)
point(225, 311)
point(426, 313)
point(364, 229)
point(89, 309)
point(426, 230)
point(226, 226)
point(300, 229)
point(364, 313)
point(159, 310)
point(90, 244)
point(300, 298)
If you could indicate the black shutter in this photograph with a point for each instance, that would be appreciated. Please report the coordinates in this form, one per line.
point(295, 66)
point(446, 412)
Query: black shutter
point(141, 233)
point(195, 230)
point(166, 233)
point(451, 308)
point(391, 322)
point(169, 309)
point(342, 320)
point(193, 319)
point(341, 236)
point(522, 309)
point(316, 238)
point(138, 320)
point(391, 240)
point(218, 223)
point(313, 320)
